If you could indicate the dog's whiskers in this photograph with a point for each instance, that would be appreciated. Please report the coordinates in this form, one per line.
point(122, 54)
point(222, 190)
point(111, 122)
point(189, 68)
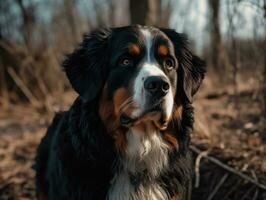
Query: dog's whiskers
point(128, 100)
point(126, 106)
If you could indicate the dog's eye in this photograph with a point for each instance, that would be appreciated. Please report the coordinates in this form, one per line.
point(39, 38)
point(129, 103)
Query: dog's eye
point(126, 62)
point(169, 64)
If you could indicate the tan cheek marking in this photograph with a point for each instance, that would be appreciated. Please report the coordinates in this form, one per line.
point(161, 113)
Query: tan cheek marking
point(178, 112)
point(134, 50)
point(129, 110)
point(119, 98)
point(171, 139)
point(163, 50)
point(175, 197)
point(140, 127)
point(111, 121)
point(106, 112)
point(151, 118)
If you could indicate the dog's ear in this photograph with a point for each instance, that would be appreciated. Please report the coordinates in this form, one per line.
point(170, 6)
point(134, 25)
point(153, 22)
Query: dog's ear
point(84, 67)
point(191, 68)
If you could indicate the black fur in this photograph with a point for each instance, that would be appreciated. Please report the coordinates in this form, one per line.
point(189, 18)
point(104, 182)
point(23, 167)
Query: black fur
point(77, 159)
point(84, 67)
point(192, 67)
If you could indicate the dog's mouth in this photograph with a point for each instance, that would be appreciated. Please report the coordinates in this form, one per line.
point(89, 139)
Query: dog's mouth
point(154, 113)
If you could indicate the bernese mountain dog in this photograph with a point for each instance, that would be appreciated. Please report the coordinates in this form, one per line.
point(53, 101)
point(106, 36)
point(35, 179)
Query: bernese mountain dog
point(126, 136)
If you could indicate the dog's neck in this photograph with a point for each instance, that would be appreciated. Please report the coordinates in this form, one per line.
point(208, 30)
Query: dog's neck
point(145, 152)
point(144, 160)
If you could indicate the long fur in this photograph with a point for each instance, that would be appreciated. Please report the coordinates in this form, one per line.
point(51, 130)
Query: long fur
point(78, 159)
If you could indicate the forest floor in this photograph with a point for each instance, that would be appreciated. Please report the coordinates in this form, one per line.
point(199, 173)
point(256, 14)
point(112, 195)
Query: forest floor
point(229, 130)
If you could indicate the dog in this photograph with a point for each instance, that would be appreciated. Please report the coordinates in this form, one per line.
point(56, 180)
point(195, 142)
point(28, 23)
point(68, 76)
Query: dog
point(126, 136)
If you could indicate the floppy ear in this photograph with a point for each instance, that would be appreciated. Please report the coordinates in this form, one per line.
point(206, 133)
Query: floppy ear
point(191, 68)
point(85, 65)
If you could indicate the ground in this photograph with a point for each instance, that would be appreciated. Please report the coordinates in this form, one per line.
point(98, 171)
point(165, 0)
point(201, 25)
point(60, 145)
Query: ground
point(228, 129)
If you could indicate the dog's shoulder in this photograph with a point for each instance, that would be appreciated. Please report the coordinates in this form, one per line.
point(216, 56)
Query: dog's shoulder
point(42, 159)
point(44, 147)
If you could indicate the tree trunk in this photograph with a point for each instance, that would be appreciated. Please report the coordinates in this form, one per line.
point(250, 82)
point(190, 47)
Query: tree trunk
point(264, 73)
point(144, 12)
point(3, 86)
point(28, 21)
point(71, 18)
point(164, 14)
point(215, 32)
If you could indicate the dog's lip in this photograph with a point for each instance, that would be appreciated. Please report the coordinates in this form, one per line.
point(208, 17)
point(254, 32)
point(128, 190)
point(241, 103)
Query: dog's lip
point(161, 124)
point(154, 108)
point(126, 120)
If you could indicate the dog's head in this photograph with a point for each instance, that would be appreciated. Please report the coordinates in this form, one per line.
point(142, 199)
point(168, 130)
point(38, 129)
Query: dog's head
point(139, 75)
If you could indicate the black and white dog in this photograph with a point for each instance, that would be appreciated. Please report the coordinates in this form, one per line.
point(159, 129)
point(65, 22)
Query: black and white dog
point(126, 136)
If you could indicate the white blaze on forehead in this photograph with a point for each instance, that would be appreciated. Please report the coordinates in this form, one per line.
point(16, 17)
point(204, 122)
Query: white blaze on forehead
point(149, 68)
point(148, 42)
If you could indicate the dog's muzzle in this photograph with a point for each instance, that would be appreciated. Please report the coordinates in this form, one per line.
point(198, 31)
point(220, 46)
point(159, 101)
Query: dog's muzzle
point(156, 86)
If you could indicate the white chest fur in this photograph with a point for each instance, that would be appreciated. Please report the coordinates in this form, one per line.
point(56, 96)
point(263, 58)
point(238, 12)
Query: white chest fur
point(146, 152)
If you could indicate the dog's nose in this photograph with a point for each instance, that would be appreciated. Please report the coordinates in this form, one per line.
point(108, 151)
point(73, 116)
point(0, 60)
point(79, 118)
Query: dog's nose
point(156, 86)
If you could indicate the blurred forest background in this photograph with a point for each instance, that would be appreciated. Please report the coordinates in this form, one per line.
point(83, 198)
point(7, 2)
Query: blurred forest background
point(229, 143)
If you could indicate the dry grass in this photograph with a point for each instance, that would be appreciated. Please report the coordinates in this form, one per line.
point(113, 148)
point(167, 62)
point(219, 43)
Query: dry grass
point(235, 139)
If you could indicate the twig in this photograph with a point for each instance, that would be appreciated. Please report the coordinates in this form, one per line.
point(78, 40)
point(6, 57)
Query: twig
point(228, 168)
point(5, 95)
point(233, 188)
point(256, 194)
point(45, 92)
point(254, 175)
point(217, 187)
point(197, 167)
point(23, 87)
point(256, 191)
point(247, 193)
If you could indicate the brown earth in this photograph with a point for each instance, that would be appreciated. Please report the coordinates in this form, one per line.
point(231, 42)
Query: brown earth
point(227, 128)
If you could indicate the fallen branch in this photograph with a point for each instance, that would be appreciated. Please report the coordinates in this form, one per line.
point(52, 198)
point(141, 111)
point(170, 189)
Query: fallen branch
point(32, 99)
point(228, 168)
point(255, 195)
point(248, 192)
point(217, 187)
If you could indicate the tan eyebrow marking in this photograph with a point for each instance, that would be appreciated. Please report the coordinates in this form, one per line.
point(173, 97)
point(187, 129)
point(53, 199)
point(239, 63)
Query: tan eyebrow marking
point(163, 50)
point(134, 49)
